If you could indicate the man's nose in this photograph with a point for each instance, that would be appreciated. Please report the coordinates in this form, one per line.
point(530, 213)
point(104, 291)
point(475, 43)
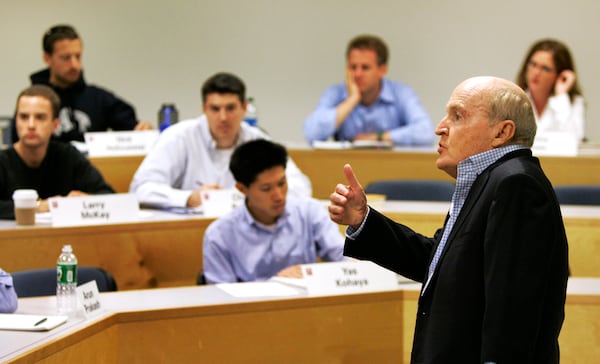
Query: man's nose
point(75, 62)
point(441, 127)
point(278, 193)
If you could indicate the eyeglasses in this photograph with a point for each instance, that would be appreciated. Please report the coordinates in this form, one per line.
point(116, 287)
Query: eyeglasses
point(545, 69)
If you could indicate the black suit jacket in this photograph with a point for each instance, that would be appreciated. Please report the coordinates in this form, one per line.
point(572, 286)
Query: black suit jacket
point(499, 289)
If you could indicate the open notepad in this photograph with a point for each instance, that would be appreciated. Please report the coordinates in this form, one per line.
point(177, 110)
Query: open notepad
point(14, 321)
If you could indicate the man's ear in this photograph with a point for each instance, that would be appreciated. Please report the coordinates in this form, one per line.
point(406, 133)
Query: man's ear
point(504, 133)
point(46, 57)
point(383, 70)
point(56, 123)
point(240, 187)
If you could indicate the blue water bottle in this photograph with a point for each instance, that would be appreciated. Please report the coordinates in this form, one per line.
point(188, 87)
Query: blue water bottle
point(167, 116)
point(251, 116)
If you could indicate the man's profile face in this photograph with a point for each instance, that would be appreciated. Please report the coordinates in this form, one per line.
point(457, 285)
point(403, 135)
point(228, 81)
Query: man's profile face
point(362, 64)
point(34, 122)
point(224, 113)
point(266, 196)
point(65, 62)
point(465, 130)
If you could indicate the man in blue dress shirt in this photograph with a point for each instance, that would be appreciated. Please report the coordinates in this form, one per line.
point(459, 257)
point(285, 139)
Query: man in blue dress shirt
point(8, 296)
point(369, 106)
point(272, 233)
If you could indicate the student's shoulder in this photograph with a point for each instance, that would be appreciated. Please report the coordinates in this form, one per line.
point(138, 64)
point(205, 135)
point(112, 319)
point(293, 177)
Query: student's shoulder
point(224, 229)
point(305, 206)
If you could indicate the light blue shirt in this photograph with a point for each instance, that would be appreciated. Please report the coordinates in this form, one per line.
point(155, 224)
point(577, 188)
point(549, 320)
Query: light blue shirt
point(8, 296)
point(397, 109)
point(237, 248)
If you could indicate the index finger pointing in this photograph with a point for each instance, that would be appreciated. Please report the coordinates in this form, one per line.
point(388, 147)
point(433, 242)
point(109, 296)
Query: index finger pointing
point(351, 177)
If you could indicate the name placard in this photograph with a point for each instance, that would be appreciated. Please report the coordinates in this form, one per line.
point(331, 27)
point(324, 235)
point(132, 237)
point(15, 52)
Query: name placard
point(348, 277)
point(89, 297)
point(120, 143)
point(555, 144)
point(216, 203)
point(94, 210)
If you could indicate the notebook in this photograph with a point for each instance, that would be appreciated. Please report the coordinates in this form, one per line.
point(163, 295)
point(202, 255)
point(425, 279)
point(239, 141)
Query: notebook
point(21, 322)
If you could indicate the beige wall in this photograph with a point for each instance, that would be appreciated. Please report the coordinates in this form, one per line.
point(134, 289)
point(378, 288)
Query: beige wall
point(289, 51)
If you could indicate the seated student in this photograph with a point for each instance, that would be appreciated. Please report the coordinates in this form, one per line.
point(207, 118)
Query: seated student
point(548, 76)
point(84, 107)
point(34, 161)
point(272, 233)
point(193, 155)
point(369, 106)
point(8, 296)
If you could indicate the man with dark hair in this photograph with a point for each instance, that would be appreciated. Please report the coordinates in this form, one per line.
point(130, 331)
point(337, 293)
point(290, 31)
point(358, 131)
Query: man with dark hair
point(35, 162)
point(272, 233)
point(495, 275)
point(369, 106)
point(193, 155)
point(84, 107)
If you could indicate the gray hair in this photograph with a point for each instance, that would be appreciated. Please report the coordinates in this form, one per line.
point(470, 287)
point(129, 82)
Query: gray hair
point(511, 103)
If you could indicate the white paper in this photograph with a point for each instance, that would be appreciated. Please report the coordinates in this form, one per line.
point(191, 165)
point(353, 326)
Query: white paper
point(120, 143)
point(21, 322)
point(348, 277)
point(555, 144)
point(94, 209)
point(257, 289)
point(319, 144)
point(216, 203)
point(295, 282)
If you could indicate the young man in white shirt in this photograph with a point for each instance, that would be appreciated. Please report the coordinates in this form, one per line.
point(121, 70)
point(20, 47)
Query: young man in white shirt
point(193, 155)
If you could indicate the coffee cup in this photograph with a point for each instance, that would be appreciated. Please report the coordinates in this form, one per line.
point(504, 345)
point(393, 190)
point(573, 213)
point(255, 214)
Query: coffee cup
point(25, 206)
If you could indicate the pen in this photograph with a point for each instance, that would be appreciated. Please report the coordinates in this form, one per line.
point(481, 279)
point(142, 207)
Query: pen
point(41, 321)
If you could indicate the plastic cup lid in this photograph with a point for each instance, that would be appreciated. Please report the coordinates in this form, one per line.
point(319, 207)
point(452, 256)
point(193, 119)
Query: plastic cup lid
point(25, 195)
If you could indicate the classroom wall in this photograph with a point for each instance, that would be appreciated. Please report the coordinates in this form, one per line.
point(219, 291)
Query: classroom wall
point(288, 52)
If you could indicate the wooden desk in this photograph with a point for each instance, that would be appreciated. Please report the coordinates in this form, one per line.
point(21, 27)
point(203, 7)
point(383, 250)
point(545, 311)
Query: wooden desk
point(324, 167)
point(162, 249)
point(165, 250)
point(580, 333)
point(582, 224)
point(118, 171)
point(203, 324)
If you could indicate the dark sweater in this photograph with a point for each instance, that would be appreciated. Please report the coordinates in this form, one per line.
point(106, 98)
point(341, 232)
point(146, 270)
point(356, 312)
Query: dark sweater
point(85, 108)
point(64, 169)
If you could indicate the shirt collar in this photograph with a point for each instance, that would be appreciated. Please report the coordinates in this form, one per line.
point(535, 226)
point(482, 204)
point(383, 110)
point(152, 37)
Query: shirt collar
point(249, 219)
point(479, 162)
point(208, 139)
point(386, 94)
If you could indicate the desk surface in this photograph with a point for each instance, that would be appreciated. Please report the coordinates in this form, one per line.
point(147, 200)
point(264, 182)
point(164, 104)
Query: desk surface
point(202, 322)
point(165, 249)
point(324, 167)
point(162, 249)
point(582, 225)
